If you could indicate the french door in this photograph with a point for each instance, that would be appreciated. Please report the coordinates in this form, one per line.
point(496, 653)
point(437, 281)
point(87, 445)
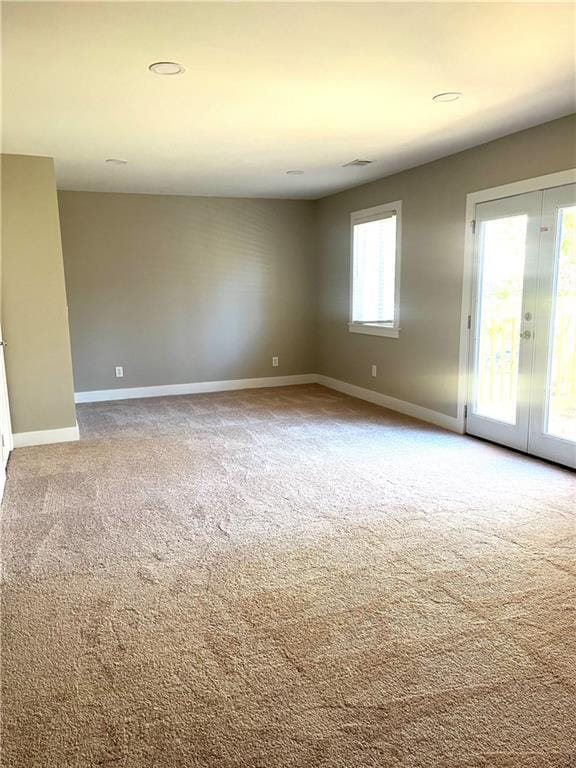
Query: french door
point(523, 325)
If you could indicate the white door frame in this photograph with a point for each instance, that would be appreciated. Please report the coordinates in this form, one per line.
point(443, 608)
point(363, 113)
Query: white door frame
point(482, 196)
point(5, 423)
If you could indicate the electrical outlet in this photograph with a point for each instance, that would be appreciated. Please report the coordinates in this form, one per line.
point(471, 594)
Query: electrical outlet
point(374, 371)
point(274, 362)
point(119, 372)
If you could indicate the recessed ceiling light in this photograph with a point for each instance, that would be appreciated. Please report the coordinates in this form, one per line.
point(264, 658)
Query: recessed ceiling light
point(294, 173)
point(448, 96)
point(166, 68)
point(116, 161)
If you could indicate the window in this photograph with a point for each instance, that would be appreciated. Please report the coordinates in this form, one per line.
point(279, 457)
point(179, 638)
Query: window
point(375, 270)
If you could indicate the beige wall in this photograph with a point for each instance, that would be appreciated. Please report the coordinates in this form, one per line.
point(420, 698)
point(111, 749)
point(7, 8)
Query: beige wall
point(34, 319)
point(187, 289)
point(421, 366)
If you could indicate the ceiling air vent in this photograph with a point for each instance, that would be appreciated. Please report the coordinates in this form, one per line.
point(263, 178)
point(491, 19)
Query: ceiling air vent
point(357, 163)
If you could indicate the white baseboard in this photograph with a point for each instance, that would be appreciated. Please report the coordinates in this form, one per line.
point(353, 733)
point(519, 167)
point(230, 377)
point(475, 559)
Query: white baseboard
point(101, 395)
point(409, 409)
point(45, 436)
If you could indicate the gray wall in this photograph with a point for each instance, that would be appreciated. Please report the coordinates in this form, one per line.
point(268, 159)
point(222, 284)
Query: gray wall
point(184, 289)
point(34, 318)
point(421, 366)
point(187, 289)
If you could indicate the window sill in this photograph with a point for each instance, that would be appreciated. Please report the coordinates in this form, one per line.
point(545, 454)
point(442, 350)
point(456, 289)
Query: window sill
point(374, 330)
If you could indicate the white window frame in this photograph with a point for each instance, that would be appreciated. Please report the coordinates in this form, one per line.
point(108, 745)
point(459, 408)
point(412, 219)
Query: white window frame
point(392, 330)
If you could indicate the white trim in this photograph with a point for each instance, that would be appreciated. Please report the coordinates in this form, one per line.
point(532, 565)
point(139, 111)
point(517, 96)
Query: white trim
point(376, 213)
point(195, 388)
point(417, 411)
point(375, 329)
point(5, 421)
point(536, 184)
point(361, 217)
point(393, 404)
point(46, 436)
point(10, 441)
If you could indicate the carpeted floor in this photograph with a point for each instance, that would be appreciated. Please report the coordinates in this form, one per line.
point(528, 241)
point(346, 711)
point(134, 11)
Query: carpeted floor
point(285, 578)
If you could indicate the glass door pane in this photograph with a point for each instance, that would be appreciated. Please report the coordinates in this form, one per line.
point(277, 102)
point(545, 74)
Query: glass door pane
point(561, 389)
point(502, 321)
point(552, 426)
point(502, 255)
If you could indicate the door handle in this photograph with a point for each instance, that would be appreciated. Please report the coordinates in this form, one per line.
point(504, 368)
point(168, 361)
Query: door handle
point(526, 335)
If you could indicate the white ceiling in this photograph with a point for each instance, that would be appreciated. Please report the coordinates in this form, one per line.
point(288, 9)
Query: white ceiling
point(271, 87)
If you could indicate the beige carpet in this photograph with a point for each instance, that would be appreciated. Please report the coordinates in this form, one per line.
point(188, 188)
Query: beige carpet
point(283, 578)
